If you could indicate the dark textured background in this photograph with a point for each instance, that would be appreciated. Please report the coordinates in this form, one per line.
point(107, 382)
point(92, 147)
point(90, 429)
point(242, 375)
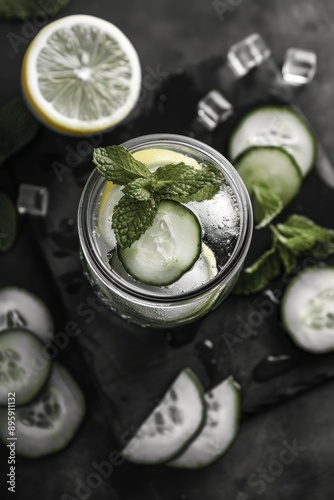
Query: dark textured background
point(173, 34)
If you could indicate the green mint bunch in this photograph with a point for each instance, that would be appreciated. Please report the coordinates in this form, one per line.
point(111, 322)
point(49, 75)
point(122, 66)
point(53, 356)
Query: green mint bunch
point(143, 190)
point(298, 237)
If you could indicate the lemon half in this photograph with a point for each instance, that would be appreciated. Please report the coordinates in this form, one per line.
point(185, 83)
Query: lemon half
point(81, 75)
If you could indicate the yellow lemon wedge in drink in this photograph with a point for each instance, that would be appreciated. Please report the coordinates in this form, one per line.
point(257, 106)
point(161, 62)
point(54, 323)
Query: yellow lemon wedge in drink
point(156, 157)
point(81, 75)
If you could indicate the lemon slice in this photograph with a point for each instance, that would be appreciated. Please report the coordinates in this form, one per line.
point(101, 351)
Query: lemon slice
point(156, 157)
point(81, 75)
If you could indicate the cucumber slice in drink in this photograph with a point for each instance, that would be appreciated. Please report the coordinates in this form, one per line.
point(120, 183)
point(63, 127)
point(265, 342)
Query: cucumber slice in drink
point(271, 167)
point(24, 367)
point(276, 126)
point(219, 431)
point(177, 419)
point(49, 423)
point(20, 308)
point(204, 269)
point(168, 249)
point(307, 309)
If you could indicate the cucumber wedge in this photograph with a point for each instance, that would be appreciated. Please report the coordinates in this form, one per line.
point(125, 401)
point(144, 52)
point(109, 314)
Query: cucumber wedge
point(49, 423)
point(24, 367)
point(20, 308)
point(168, 249)
point(219, 431)
point(307, 309)
point(272, 168)
point(177, 419)
point(276, 126)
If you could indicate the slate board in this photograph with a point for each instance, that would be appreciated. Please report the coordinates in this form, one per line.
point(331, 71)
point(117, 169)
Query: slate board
point(133, 366)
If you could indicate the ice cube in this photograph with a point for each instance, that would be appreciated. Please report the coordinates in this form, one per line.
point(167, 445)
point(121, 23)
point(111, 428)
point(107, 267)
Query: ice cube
point(299, 66)
point(33, 200)
point(213, 109)
point(247, 54)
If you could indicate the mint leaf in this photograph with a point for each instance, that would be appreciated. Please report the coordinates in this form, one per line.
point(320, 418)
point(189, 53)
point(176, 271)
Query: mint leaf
point(7, 223)
point(324, 249)
point(256, 277)
point(118, 165)
point(303, 236)
point(23, 9)
point(18, 127)
point(301, 244)
point(267, 205)
point(288, 258)
point(131, 218)
point(183, 183)
point(139, 189)
point(297, 222)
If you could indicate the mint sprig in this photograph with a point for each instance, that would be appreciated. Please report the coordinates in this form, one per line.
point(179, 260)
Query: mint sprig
point(296, 238)
point(143, 190)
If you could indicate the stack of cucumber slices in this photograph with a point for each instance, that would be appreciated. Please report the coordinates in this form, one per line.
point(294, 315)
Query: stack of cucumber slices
point(273, 148)
point(188, 428)
point(49, 405)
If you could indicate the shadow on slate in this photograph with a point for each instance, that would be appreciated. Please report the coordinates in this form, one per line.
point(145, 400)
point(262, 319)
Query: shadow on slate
point(132, 366)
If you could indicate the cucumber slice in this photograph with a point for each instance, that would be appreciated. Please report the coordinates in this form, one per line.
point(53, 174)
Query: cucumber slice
point(270, 167)
point(177, 419)
point(49, 423)
point(307, 309)
point(219, 431)
point(20, 308)
point(24, 367)
point(204, 269)
point(276, 126)
point(168, 249)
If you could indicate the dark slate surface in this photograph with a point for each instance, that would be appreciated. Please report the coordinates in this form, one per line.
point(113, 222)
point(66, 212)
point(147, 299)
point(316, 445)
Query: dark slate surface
point(132, 366)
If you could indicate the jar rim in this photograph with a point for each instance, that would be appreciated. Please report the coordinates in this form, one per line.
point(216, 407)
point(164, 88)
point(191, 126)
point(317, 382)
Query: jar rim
point(230, 268)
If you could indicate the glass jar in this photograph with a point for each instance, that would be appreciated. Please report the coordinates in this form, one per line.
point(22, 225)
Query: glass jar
point(163, 306)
